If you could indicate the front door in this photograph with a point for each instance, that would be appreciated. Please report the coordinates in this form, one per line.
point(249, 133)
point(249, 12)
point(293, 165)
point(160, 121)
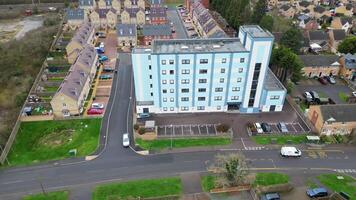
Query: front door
point(272, 108)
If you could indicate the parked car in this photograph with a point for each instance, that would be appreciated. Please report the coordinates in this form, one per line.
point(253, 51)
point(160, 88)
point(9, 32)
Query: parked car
point(94, 111)
point(330, 79)
point(97, 105)
point(308, 96)
point(282, 127)
point(101, 45)
point(258, 128)
point(317, 192)
point(143, 115)
point(100, 34)
point(270, 196)
point(315, 96)
point(266, 127)
point(290, 152)
point(323, 80)
point(125, 140)
point(354, 93)
point(99, 50)
point(105, 77)
point(108, 69)
point(103, 58)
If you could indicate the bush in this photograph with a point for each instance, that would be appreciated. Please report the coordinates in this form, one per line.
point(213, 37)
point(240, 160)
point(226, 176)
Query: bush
point(51, 20)
point(222, 128)
point(136, 127)
point(142, 131)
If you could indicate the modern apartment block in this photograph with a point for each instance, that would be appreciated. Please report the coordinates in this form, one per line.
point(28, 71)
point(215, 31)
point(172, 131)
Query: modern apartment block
point(208, 75)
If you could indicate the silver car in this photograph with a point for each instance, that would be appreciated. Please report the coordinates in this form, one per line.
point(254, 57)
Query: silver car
point(282, 127)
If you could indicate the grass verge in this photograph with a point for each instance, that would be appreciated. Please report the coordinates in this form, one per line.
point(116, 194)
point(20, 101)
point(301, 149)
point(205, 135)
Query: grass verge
point(265, 179)
point(139, 189)
point(348, 184)
point(51, 89)
point(207, 183)
point(343, 96)
point(279, 139)
point(60, 195)
point(181, 143)
point(51, 140)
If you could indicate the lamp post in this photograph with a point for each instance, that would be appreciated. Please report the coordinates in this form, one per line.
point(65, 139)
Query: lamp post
point(172, 137)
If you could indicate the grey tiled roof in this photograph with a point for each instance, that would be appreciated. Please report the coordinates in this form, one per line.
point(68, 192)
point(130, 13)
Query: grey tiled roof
point(209, 26)
point(158, 12)
point(340, 113)
point(102, 12)
point(83, 33)
point(123, 30)
point(319, 9)
point(156, 30)
point(133, 11)
point(339, 34)
point(304, 4)
point(87, 57)
point(157, 2)
point(350, 61)
point(218, 34)
point(318, 60)
point(75, 14)
point(73, 84)
point(345, 20)
point(317, 35)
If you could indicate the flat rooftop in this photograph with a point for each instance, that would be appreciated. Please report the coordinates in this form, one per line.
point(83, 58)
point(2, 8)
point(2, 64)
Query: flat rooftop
point(210, 45)
point(272, 82)
point(256, 31)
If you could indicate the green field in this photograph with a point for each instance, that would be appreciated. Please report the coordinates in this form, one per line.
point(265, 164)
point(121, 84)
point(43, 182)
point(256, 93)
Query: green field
point(280, 139)
point(265, 179)
point(139, 189)
point(207, 183)
point(348, 184)
point(51, 140)
point(181, 143)
point(60, 195)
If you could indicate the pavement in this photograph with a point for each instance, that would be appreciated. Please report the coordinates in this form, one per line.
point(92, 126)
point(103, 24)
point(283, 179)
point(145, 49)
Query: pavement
point(172, 15)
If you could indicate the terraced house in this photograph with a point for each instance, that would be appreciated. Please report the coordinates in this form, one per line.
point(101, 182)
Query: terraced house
point(75, 18)
point(208, 75)
point(104, 18)
point(133, 16)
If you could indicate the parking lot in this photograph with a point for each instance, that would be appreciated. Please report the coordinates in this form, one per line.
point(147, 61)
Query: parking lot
point(185, 130)
point(187, 23)
point(173, 16)
point(293, 128)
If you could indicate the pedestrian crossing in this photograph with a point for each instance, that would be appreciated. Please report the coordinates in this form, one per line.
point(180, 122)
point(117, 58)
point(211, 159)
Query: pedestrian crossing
point(253, 148)
point(345, 170)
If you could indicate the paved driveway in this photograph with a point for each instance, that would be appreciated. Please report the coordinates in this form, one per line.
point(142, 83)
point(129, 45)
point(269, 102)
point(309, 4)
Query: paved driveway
point(178, 25)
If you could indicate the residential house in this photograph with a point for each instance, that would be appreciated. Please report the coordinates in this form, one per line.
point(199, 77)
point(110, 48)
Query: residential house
point(134, 4)
point(335, 37)
point(75, 18)
point(272, 3)
point(107, 4)
point(104, 18)
point(320, 11)
point(188, 3)
point(154, 32)
point(305, 5)
point(320, 65)
point(85, 35)
point(338, 119)
point(158, 15)
point(346, 10)
point(133, 16)
point(341, 23)
point(287, 11)
point(87, 5)
point(318, 40)
point(88, 60)
point(126, 35)
point(156, 3)
point(348, 66)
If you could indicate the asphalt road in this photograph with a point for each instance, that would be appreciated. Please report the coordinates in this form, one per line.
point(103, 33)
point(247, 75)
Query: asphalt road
point(178, 24)
point(116, 163)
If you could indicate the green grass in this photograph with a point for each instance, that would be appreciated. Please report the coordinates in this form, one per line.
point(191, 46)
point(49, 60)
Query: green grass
point(348, 184)
point(207, 183)
point(51, 88)
point(181, 143)
point(51, 140)
point(56, 79)
point(60, 195)
point(265, 179)
point(343, 96)
point(140, 188)
point(280, 139)
point(303, 106)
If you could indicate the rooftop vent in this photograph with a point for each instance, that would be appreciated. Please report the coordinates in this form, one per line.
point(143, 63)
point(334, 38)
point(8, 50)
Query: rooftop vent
point(184, 47)
point(216, 46)
point(198, 48)
point(147, 50)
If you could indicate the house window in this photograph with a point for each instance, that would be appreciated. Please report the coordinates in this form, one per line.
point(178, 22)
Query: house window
point(242, 60)
point(274, 97)
point(171, 62)
point(164, 81)
point(235, 89)
point(164, 91)
point(221, 80)
point(163, 62)
point(171, 72)
point(171, 99)
point(241, 70)
point(201, 98)
point(239, 80)
point(171, 81)
point(202, 90)
point(149, 67)
point(185, 90)
point(223, 60)
point(202, 80)
point(185, 61)
point(222, 70)
point(164, 99)
point(171, 90)
point(203, 71)
point(151, 94)
point(185, 99)
point(203, 61)
point(220, 89)
point(218, 98)
point(164, 72)
point(185, 81)
point(164, 108)
point(185, 71)
point(235, 98)
point(201, 108)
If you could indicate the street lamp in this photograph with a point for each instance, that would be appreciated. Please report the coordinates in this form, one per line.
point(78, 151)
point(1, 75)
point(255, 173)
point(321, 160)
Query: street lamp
point(172, 136)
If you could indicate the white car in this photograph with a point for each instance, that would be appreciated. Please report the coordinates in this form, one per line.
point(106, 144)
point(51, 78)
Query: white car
point(97, 105)
point(307, 95)
point(101, 45)
point(258, 128)
point(125, 140)
point(290, 152)
point(354, 93)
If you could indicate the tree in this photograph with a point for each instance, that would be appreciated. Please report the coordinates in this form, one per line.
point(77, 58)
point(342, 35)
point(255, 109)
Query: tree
point(286, 64)
point(259, 11)
point(231, 170)
point(293, 39)
point(348, 45)
point(267, 22)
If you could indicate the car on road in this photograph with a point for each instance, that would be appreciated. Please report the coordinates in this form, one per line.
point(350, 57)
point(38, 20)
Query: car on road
point(330, 79)
point(282, 127)
point(258, 128)
point(266, 127)
point(315, 96)
point(271, 196)
point(100, 34)
point(125, 140)
point(354, 93)
point(317, 192)
point(308, 96)
point(94, 111)
point(97, 106)
point(105, 77)
point(103, 58)
point(143, 115)
point(323, 80)
point(290, 152)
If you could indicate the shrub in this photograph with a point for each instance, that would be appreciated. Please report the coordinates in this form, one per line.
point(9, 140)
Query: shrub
point(136, 127)
point(222, 128)
point(142, 131)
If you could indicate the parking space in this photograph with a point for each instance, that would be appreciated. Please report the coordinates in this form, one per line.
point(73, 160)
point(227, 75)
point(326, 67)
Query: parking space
point(294, 128)
point(194, 130)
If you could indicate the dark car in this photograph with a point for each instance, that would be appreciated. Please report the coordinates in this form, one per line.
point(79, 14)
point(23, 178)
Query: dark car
point(271, 196)
point(105, 77)
point(317, 192)
point(266, 127)
point(330, 79)
point(323, 80)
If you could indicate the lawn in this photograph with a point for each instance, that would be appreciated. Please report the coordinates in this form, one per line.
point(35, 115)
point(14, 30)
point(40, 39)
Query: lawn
point(207, 183)
point(51, 140)
point(51, 88)
point(56, 79)
point(181, 143)
point(348, 184)
point(343, 96)
point(280, 139)
point(139, 189)
point(60, 195)
point(265, 179)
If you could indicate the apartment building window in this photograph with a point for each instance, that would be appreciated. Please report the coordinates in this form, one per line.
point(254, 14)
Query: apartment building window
point(184, 108)
point(274, 97)
point(171, 62)
point(218, 98)
point(239, 80)
point(171, 99)
point(185, 71)
point(149, 67)
point(171, 81)
point(164, 81)
point(251, 102)
point(171, 72)
point(221, 80)
point(219, 89)
point(185, 61)
point(164, 72)
point(203, 71)
point(171, 109)
point(241, 70)
point(201, 108)
point(151, 86)
point(185, 99)
point(150, 76)
point(164, 99)
point(222, 70)
point(185, 81)
point(223, 60)
point(151, 94)
point(163, 62)
point(202, 90)
point(171, 90)
point(164, 91)
point(201, 98)
point(242, 60)
point(164, 108)
point(218, 107)
point(202, 80)
point(149, 57)
point(235, 89)
point(203, 61)
point(235, 98)
point(185, 90)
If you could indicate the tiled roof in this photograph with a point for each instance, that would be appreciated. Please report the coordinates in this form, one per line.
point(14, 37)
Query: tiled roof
point(123, 30)
point(204, 18)
point(319, 60)
point(75, 14)
point(339, 34)
point(133, 11)
point(350, 61)
point(285, 7)
point(319, 9)
point(218, 34)
point(87, 57)
point(158, 12)
point(157, 2)
point(102, 12)
point(156, 30)
point(83, 33)
point(73, 84)
point(317, 35)
point(339, 113)
point(345, 20)
point(304, 4)
point(209, 26)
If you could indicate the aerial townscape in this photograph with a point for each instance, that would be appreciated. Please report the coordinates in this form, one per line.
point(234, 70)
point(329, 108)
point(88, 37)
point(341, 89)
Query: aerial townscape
point(177, 99)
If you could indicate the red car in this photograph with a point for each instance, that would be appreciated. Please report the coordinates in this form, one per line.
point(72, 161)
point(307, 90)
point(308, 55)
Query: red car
point(323, 80)
point(94, 111)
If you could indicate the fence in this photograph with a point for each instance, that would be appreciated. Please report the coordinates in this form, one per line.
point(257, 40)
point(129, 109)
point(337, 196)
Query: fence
point(16, 127)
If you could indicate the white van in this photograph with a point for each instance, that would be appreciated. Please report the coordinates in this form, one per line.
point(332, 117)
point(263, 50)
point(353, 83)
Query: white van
point(290, 152)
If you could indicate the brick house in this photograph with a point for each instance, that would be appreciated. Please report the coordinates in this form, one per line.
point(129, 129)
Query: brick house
point(320, 65)
point(158, 15)
point(153, 32)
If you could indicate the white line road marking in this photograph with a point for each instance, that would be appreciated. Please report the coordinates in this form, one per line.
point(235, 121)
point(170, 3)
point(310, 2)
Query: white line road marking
point(242, 140)
point(12, 182)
